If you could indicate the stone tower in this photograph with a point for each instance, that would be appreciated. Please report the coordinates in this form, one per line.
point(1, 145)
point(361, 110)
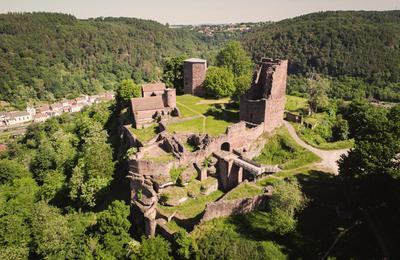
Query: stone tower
point(264, 102)
point(170, 96)
point(194, 74)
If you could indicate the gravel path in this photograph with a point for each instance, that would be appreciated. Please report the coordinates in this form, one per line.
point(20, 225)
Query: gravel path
point(329, 157)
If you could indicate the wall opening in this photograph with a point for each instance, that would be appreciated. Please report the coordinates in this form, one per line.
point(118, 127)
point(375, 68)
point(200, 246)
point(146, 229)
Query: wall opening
point(226, 147)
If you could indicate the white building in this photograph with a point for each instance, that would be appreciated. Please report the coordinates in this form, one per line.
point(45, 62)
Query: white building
point(19, 117)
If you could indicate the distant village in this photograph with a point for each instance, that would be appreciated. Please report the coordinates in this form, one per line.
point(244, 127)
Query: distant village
point(210, 30)
point(44, 112)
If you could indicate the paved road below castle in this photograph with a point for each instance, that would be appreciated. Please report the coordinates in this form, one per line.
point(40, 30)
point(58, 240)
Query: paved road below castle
point(329, 157)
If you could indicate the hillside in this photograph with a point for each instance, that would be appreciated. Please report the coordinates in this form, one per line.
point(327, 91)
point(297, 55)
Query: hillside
point(45, 56)
point(358, 44)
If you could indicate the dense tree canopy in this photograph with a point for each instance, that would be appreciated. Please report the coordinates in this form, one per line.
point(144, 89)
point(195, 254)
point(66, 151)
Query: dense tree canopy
point(47, 56)
point(371, 169)
point(126, 90)
point(173, 72)
point(356, 45)
point(233, 57)
point(219, 82)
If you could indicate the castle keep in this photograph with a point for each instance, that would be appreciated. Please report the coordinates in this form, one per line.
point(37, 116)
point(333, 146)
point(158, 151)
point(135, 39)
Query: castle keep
point(264, 102)
point(194, 74)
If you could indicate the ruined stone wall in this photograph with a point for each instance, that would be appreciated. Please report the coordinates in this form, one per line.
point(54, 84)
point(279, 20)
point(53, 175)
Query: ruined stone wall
point(252, 110)
point(223, 208)
point(292, 117)
point(276, 102)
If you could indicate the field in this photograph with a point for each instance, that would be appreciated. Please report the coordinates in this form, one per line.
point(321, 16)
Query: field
point(281, 149)
point(203, 115)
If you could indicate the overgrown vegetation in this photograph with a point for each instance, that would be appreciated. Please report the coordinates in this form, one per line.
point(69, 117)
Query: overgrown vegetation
point(281, 149)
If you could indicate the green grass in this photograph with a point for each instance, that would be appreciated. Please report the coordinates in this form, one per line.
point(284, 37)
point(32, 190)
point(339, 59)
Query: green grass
point(175, 173)
point(314, 139)
point(197, 104)
point(145, 134)
point(216, 127)
point(173, 226)
point(216, 119)
point(193, 206)
point(160, 159)
point(294, 103)
point(244, 190)
point(281, 149)
point(192, 126)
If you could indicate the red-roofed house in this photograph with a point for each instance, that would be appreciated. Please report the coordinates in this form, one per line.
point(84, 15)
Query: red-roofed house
point(147, 109)
point(153, 89)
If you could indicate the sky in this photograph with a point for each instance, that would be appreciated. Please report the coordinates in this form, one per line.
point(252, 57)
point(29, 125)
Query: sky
point(194, 11)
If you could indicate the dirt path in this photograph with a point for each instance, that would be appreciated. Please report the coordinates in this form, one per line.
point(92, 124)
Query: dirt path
point(329, 158)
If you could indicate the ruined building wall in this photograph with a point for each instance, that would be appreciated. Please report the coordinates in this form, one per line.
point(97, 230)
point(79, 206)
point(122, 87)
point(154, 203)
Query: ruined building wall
point(224, 208)
point(277, 99)
point(252, 110)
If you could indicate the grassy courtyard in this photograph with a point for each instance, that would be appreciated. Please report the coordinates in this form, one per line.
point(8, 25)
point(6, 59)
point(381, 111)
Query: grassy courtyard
point(192, 207)
point(204, 115)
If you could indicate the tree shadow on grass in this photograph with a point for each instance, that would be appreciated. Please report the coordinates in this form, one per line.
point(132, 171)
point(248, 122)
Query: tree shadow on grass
point(219, 112)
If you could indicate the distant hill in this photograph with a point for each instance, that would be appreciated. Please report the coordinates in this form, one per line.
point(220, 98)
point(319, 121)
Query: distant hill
point(47, 55)
point(365, 44)
point(343, 43)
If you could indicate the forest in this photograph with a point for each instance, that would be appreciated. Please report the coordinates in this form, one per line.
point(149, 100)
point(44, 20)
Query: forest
point(359, 50)
point(46, 56)
point(49, 56)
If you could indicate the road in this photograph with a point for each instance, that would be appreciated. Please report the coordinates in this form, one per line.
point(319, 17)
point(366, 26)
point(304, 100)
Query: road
point(329, 158)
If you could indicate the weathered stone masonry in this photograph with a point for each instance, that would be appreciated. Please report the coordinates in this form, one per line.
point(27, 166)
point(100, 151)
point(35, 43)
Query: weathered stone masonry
point(264, 102)
point(194, 73)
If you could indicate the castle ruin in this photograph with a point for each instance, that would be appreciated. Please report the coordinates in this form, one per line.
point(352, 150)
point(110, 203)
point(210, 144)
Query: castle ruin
point(264, 102)
point(225, 159)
